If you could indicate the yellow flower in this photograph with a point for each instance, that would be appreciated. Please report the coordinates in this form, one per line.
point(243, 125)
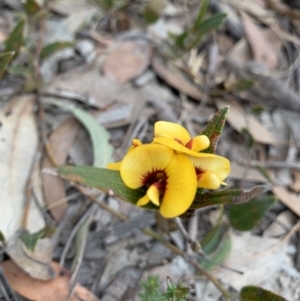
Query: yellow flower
point(211, 170)
point(117, 165)
point(177, 137)
point(169, 177)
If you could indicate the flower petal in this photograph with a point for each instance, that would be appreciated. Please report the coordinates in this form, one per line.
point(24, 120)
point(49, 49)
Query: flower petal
point(213, 165)
point(143, 201)
point(180, 188)
point(170, 142)
point(172, 130)
point(209, 181)
point(142, 160)
point(114, 166)
point(198, 143)
point(153, 194)
point(135, 143)
point(117, 165)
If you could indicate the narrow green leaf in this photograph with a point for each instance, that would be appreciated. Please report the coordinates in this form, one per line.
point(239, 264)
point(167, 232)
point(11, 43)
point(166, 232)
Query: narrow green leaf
point(180, 40)
point(255, 293)
point(244, 217)
point(80, 241)
point(2, 237)
point(214, 129)
point(201, 13)
point(211, 240)
point(219, 255)
point(99, 136)
point(31, 7)
point(16, 39)
point(228, 196)
point(248, 138)
point(52, 48)
point(5, 58)
point(30, 240)
point(103, 179)
point(212, 23)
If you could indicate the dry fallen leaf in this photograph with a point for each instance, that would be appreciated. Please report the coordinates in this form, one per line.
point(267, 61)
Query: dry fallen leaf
point(37, 264)
point(52, 290)
point(61, 142)
point(296, 183)
point(257, 257)
point(174, 78)
point(255, 9)
point(239, 120)
point(19, 142)
point(284, 220)
point(88, 85)
point(127, 60)
point(262, 51)
point(289, 199)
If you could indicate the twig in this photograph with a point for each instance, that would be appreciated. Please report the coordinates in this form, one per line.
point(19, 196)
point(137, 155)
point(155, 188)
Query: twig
point(101, 204)
point(172, 247)
point(284, 9)
point(188, 259)
point(79, 255)
point(273, 164)
point(195, 245)
point(83, 219)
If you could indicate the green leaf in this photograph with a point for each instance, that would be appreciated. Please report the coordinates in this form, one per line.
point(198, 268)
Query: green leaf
point(99, 135)
point(244, 217)
point(30, 240)
point(104, 179)
point(80, 241)
point(248, 137)
point(31, 7)
point(257, 110)
point(150, 289)
point(214, 129)
point(227, 196)
point(15, 40)
point(179, 40)
point(153, 10)
point(220, 254)
point(5, 58)
point(255, 293)
point(212, 23)
point(201, 13)
point(56, 46)
point(243, 84)
point(216, 244)
point(2, 237)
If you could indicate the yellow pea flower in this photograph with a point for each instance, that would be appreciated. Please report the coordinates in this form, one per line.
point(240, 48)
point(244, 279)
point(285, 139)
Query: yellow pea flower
point(177, 137)
point(211, 170)
point(170, 178)
point(117, 165)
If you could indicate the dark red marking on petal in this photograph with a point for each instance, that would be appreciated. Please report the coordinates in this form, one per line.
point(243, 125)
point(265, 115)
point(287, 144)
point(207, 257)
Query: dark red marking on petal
point(156, 177)
point(199, 172)
point(189, 144)
point(178, 140)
